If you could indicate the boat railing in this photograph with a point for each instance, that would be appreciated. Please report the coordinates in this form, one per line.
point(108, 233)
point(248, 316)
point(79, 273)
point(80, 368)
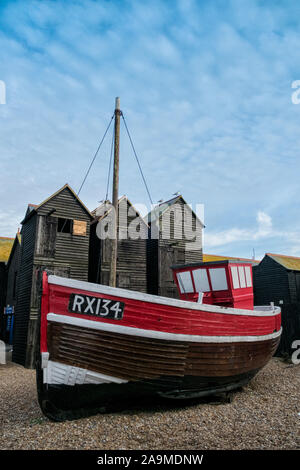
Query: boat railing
point(267, 308)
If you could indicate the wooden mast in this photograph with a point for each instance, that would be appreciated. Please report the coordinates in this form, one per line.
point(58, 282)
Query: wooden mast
point(115, 196)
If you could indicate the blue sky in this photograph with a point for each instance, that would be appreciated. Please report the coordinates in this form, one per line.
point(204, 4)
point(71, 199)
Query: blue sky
point(205, 87)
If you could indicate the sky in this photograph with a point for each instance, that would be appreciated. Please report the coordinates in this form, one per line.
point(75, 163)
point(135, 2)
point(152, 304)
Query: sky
point(206, 91)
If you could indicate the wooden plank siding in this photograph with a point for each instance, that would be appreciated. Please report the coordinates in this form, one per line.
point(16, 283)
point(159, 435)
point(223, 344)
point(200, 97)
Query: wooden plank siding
point(12, 270)
point(22, 310)
point(272, 282)
point(13, 267)
point(291, 329)
point(174, 240)
point(3, 283)
point(131, 253)
point(45, 247)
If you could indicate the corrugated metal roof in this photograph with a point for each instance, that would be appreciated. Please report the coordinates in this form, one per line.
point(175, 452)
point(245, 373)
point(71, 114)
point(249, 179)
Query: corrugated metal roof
point(288, 262)
point(6, 245)
point(208, 257)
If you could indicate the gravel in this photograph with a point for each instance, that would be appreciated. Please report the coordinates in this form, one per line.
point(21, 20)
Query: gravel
point(264, 415)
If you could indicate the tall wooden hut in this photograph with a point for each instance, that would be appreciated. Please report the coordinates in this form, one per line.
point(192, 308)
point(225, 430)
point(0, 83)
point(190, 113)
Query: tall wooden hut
point(277, 279)
point(173, 227)
point(55, 236)
point(131, 251)
point(6, 244)
point(13, 267)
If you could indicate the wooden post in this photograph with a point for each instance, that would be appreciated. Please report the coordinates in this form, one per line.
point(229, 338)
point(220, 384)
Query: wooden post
point(115, 196)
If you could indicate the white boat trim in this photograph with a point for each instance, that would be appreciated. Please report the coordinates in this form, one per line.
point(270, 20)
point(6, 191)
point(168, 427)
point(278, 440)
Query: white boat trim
point(128, 330)
point(62, 374)
point(134, 295)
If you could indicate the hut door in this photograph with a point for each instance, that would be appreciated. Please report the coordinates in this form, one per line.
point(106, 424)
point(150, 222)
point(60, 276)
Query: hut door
point(179, 255)
point(63, 271)
point(46, 236)
point(104, 278)
point(123, 281)
point(169, 256)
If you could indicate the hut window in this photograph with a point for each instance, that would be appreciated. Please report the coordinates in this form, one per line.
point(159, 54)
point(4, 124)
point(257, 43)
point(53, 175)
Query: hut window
point(201, 280)
point(64, 225)
point(242, 276)
point(185, 282)
point(235, 277)
point(248, 276)
point(218, 279)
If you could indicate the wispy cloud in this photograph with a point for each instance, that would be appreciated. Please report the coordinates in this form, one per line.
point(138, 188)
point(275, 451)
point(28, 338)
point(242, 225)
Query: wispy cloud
point(262, 234)
point(262, 230)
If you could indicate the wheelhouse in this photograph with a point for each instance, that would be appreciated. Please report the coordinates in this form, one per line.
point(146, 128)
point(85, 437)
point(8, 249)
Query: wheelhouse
point(225, 283)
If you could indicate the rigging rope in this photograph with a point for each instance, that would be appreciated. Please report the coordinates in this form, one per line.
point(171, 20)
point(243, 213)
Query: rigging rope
point(137, 159)
point(110, 162)
point(94, 158)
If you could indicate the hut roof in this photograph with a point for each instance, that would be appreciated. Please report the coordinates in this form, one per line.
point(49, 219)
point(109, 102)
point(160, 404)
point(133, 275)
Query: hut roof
point(288, 262)
point(17, 241)
point(35, 207)
point(161, 208)
point(208, 257)
point(99, 210)
point(6, 244)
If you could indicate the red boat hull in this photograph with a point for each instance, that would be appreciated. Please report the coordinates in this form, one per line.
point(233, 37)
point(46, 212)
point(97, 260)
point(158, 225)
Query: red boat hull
point(99, 344)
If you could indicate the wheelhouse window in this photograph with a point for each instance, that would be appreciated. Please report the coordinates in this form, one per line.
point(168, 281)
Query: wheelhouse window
point(218, 278)
point(248, 276)
point(242, 276)
point(235, 277)
point(185, 282)
point(201, 280)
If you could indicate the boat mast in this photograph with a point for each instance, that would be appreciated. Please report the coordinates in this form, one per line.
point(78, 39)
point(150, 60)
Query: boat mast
point(115, 196)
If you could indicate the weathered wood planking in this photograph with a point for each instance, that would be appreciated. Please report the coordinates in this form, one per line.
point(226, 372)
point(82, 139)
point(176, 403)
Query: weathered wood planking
point(272, 282)
point(23, 305)
point(172, 246)
point(43, 246)
point(3, 283)
point(131, 253)
point(134, 358)
point(127, 357)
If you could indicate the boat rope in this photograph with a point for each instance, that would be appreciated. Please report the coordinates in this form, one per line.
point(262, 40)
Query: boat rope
point(94, 158)
point(140, 168)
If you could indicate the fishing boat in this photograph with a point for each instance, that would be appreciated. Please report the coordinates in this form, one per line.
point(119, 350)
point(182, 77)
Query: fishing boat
point(99, 344)
point(102, 344)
